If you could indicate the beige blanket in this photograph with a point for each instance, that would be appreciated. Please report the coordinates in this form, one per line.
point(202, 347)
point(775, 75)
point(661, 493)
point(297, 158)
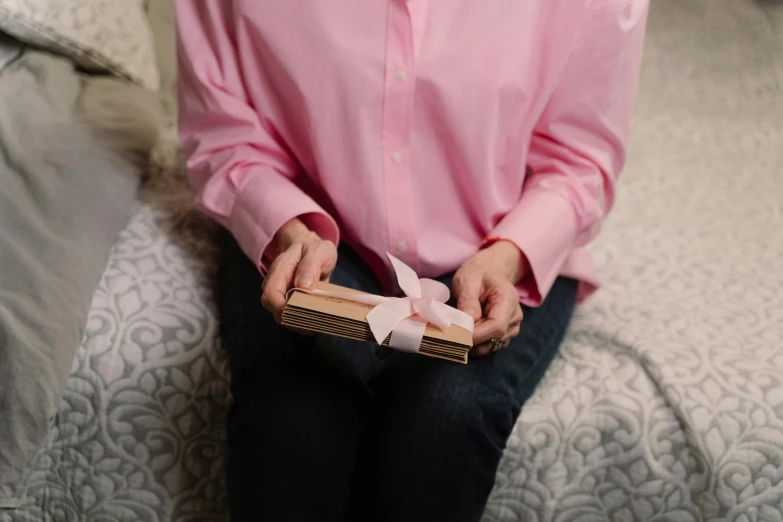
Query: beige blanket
point(72, 150)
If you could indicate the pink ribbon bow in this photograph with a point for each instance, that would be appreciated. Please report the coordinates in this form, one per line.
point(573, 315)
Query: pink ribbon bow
point(405, 318)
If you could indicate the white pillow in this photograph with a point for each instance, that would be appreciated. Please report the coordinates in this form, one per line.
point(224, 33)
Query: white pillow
point(103, 35)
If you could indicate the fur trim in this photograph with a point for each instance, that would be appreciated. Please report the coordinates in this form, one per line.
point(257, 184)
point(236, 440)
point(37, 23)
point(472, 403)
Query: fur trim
point(165, 188)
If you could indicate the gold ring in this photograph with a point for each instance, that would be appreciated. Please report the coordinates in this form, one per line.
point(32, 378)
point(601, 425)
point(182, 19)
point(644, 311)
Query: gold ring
point(496, 343)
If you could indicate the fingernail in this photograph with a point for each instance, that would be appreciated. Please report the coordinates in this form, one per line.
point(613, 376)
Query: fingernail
point(304, 282)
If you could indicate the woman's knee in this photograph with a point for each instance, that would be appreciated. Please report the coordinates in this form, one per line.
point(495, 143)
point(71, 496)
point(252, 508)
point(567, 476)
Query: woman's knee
point(473, 411)
point(451, 408)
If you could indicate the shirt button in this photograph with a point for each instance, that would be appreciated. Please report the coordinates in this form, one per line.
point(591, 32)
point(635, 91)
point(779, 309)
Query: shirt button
point(402, 246)
point(401, 76)
point(396, 157)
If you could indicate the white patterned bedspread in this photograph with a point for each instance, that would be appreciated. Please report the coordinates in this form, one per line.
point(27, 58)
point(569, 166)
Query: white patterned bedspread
point(139, 436)
point(666, 403)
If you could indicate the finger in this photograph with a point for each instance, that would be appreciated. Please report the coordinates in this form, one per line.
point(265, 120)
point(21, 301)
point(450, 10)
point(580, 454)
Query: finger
point(515, 324)
point(330, 256)
point(279, 281)
point(488, 329)
point(502, 302)
point(467, 289)
point(480, 350)
point(518, 314)
point(487, 348)
point(318, 259)
point(498, 311)
point(512, 332)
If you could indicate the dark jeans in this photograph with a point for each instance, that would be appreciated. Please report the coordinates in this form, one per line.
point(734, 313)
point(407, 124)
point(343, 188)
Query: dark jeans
point(329, 429)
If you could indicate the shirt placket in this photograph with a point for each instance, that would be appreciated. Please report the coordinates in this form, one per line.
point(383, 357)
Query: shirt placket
point(399, 86)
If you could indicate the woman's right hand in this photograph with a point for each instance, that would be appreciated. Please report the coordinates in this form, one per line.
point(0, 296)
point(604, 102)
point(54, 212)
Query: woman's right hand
point(301, 259)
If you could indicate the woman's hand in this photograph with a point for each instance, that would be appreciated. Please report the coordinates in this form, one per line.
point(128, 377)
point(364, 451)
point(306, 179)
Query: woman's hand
point(301, 259)
point(486, 283)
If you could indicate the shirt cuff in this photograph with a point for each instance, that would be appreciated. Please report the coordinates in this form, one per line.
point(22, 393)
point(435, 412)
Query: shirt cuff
point(265, 201)
point(543, 227)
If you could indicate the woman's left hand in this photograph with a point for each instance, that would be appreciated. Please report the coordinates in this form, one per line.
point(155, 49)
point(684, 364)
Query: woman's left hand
point(484, 288)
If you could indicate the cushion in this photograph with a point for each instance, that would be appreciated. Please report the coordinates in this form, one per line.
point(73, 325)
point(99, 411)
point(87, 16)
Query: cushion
point(162, 18)
point(100, 35)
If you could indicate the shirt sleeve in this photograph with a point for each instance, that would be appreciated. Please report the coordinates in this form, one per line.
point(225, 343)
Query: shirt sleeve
point(578, 145)
point(241, 174)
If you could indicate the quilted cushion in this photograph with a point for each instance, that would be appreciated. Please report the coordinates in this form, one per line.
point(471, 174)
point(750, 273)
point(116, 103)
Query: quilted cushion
point(100, 35)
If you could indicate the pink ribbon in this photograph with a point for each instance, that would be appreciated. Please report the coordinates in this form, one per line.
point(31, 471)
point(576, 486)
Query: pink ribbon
point(405, 318)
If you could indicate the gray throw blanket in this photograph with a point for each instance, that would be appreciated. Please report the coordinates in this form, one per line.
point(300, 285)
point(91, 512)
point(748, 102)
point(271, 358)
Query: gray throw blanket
point(72, 150)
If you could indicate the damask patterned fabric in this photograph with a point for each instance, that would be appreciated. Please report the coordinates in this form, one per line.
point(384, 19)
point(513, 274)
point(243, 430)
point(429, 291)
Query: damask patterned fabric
point(139, 435)
point(667, 401)
point(104, 35)
point(665, 404)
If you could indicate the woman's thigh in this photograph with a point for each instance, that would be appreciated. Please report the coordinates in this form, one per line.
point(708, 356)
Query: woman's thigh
point(439, 428)
point(299, 402)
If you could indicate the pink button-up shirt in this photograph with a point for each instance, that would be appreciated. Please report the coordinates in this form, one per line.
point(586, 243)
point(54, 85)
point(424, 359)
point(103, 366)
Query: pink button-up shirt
point(420, 127)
